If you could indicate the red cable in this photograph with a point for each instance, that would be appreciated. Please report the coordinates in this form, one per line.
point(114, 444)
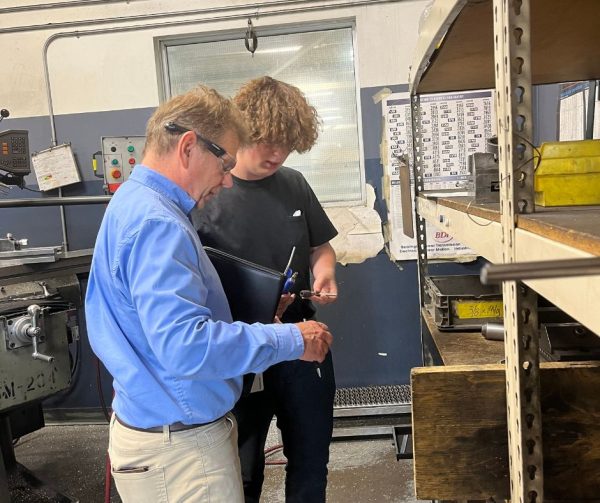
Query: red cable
point(107, 480)
point(271, 451)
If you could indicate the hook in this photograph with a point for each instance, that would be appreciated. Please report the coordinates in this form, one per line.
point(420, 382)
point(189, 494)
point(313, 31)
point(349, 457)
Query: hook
point(250, 40)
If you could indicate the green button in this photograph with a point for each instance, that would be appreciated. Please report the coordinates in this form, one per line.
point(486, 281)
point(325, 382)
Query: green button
point(130, 148)
point(115, 161)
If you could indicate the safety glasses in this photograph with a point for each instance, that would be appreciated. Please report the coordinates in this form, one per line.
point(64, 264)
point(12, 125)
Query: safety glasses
point(227, 161)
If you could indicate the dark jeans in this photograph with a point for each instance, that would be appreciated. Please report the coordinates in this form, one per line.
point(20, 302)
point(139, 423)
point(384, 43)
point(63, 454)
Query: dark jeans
point(303, 404)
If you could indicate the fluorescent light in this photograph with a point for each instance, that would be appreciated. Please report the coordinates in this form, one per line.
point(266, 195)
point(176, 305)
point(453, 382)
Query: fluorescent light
point(292, 48)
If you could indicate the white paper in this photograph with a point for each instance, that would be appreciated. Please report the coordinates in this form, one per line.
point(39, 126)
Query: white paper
point(55, 167)
point(453, 126)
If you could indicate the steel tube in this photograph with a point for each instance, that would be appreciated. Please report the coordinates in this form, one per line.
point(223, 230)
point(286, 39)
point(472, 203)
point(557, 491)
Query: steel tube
point(184, 22)
point(58, 5)
point(519, 271)
point(53, 201)
point(255, 10)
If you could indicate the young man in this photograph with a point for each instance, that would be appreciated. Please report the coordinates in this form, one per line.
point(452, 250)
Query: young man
point(270, 210)
point(158, 318)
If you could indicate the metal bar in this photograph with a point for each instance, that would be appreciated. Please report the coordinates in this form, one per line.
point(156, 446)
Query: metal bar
point(183, 22)
point(513, 102)
point(58, 5)
point(63, 223)
point(590, 111)
point(256, 9)
point(363, 431)
point(53, 201)
point(519, 271)
point(375, 410)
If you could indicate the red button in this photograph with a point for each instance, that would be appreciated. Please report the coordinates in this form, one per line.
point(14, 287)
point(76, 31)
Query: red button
point(116, 174)
point(132, 161)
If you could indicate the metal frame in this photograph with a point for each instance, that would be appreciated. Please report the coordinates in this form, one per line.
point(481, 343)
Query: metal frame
point(513, 104)
point(421, 224)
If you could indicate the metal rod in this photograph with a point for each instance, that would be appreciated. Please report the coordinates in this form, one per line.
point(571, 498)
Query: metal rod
point(58, 5)
point(63, 222)
point(255, 10)
point(183, 22)
point(53, 201)
point(590, 111)
point(519, 271)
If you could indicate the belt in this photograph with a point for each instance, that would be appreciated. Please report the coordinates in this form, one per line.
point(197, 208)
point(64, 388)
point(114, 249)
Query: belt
point(178, 426)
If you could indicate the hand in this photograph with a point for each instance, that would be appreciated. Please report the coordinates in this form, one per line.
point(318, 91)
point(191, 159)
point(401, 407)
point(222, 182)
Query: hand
point(326, 285)
point(317, 340)
point(284, 302)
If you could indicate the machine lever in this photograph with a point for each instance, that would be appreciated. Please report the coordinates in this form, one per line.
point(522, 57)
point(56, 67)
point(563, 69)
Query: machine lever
point(34, 331)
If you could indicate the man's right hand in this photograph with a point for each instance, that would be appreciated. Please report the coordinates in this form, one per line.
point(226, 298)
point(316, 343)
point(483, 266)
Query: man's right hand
point(317, 340)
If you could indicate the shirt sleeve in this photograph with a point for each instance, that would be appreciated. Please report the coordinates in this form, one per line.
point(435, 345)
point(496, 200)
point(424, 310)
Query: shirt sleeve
point(160, 270)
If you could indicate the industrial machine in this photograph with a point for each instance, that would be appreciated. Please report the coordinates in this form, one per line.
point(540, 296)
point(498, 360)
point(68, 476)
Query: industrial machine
point(15, 162)
point(39, 297)
point(483, 167)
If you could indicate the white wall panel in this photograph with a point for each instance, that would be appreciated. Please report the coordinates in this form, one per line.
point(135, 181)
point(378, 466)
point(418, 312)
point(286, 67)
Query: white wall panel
point(118, 71)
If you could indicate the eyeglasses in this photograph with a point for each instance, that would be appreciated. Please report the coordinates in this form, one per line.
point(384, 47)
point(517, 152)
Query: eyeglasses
point(227, 160)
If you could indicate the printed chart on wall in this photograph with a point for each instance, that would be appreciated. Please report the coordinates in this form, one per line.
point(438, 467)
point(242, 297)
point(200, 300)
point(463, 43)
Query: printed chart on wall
point(453, 127)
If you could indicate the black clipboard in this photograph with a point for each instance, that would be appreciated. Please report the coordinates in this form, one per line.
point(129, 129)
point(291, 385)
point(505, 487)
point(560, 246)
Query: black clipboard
point(253, 291)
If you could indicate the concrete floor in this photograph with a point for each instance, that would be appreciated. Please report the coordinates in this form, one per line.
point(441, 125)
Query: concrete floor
point(72, 459)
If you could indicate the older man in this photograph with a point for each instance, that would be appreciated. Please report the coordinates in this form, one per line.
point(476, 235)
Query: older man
point(159, 320)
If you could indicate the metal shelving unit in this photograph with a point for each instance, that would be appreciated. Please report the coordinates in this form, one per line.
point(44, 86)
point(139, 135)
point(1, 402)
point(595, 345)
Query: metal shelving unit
point(510, 45)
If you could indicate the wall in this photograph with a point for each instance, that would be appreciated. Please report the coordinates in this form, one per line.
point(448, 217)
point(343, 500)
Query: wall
point(106, 85)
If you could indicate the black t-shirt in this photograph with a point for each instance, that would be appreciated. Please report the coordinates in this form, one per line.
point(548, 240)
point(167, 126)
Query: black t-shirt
point(262, 220)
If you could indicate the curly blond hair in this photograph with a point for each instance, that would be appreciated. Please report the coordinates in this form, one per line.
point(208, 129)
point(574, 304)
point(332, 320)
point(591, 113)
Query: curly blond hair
point(201, 109)
point(279, 114)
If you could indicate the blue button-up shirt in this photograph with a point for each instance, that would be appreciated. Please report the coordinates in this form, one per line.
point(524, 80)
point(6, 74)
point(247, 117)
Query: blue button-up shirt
point(157, 315)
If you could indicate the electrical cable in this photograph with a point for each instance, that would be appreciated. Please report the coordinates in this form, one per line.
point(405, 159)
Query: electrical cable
point(77, 358)
point(271, 451)
point(107, 479)
point(107, 470)
point(100, 393)
point(32, 190)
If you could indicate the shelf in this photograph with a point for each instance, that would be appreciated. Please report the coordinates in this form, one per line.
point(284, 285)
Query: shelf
point(460, 432)
point(564, 44)
point(549, 234)
point(464, 348)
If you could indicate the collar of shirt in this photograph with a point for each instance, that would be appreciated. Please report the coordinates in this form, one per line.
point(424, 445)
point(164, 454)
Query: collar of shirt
point(161, 184)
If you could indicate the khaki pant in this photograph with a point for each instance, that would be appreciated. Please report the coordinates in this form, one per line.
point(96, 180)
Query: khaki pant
point(191, 466)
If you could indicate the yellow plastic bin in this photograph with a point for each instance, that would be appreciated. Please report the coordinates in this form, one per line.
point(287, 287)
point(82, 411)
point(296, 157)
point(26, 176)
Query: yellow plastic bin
point(568, 173)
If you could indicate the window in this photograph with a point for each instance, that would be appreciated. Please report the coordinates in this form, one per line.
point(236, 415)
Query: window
point(319, 62)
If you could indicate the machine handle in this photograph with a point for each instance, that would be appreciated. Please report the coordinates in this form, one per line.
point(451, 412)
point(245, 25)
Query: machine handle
point(34, 331)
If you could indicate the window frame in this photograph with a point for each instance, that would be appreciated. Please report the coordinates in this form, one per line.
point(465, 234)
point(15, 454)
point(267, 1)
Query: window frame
point(162, 43)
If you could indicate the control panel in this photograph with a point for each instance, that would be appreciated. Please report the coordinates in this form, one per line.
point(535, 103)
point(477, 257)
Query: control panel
point(120, 154)
point(14, 152)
